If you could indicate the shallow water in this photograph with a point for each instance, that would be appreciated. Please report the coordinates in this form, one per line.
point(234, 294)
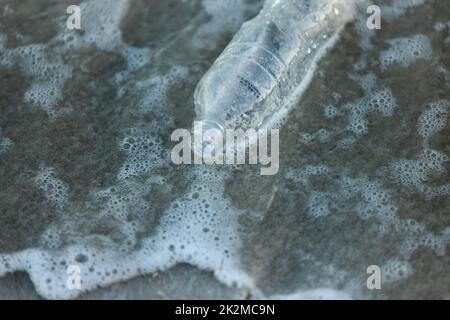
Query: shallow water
point(87, 180)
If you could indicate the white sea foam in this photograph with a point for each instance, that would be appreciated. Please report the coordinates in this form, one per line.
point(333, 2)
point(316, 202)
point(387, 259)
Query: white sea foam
point(199, 228)
point(405, 51)
point(390, 11)
point(377, 99)
point(415, 173)
point(433, 119)
point(47, 70)
point(45, 65)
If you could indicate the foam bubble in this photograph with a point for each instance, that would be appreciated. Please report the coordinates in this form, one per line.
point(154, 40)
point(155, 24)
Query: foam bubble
point(433, 119)
point(439, 26)
point(323, 135)
point(55, 190)
point(301, 176)
point(154, 91)
point(48, 72)
point(331, 112)
point(395, 270)
point(6, 144)
point(415, 173)
point(143, 148)
point(378, 99)
point(446, 74)
point(405, 51)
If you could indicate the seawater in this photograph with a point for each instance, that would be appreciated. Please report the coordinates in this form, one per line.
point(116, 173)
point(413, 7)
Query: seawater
point(87, 179)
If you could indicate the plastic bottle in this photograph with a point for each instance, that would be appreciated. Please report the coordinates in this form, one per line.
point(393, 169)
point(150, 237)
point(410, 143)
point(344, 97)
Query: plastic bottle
point(269, 62)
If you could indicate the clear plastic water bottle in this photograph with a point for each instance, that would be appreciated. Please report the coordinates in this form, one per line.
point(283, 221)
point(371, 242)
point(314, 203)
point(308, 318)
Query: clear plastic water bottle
point(270, 60)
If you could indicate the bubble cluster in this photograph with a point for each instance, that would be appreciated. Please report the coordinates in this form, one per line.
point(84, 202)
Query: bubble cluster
point(442, 27)
point(390, 10)
point(377, 99)
point(416, 173)
point(143, 147)
point(433, 119)
point(48, 72)
point(5, 145)
point(320, 204)
point(376, 200)
point(416, 236)
point(405, 51)
point(200, 227)
point(395, 270)
point(368, 199)
point(301, 176)
point(45, 64)
point(101, 28)
point(439, 26)
point(322, 135)
point(55, 190)
point(324, 203)
point(125, 204)
point(441, 69)
point(101, 23)
point(154, 91)
point(379, 204)
point(331, 112)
